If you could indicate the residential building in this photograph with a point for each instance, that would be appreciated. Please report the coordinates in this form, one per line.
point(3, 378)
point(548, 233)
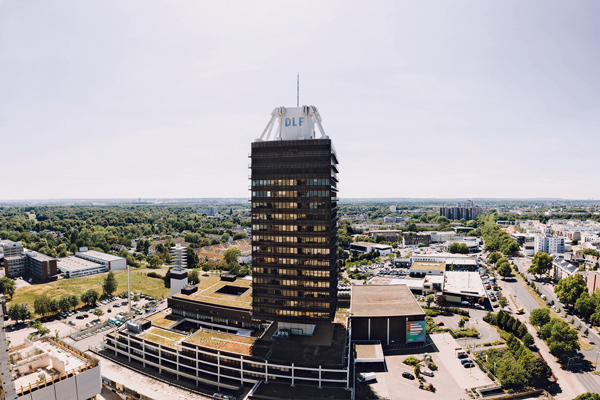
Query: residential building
point(113, 263)
point(549, 244)
point(415, 239)
point(561, 268)
point(294, 222)
point(593, 281)
point(467, 210)
point(14, 260)
point(392, 208)
point(396, 220)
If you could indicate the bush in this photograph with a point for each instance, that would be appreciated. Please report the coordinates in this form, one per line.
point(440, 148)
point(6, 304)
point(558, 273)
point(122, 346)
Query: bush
point(411, 361)
point(432, 366)
point(155, 275)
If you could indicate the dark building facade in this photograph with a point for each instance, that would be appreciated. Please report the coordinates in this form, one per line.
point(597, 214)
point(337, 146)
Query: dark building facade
point(294, 230)
point(41, 266)
point(467, 210)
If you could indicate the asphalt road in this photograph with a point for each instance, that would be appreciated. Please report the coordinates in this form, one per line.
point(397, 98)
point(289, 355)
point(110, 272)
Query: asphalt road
point(590, 382)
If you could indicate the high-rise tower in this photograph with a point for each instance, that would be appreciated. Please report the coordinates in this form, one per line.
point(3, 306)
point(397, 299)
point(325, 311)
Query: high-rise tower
point(294, 222)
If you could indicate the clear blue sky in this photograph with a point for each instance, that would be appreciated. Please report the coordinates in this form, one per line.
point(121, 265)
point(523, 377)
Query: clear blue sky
point(105, 99)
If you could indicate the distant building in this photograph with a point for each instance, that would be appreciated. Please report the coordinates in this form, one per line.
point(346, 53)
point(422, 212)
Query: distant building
point(390, 235)
point(395, 220)
point(210, 211)
point(14, 260)
point(414, 239)
point(392, 208)
point(364, 247)
point(467, 210)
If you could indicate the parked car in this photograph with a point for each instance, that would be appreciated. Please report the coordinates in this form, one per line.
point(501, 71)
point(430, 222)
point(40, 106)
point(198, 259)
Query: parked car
point(441, 323)
point(462, 355)
point(72, 323)
point(408, 375)
point(465, 361)
point(79, 317)
point(470, 364)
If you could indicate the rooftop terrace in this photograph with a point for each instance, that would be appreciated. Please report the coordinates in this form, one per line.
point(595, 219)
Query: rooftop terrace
point(207, 292)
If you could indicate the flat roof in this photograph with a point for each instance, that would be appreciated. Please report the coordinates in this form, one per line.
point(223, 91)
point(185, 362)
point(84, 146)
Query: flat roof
point(74, 263)
point(376, 245)
point(101, 256)
point(383, 300)
point(368, 352)
point(463, 282)
point(207, 293)
point(39, 256)
point(429, 265)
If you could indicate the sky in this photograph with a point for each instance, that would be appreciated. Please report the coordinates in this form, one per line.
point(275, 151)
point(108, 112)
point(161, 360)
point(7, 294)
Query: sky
point(422, 99)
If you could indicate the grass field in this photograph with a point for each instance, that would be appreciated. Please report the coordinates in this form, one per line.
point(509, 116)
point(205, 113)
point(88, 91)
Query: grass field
point(140, 283)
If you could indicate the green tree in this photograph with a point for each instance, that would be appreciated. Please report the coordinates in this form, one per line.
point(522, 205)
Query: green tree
point(541, 264)
point(502, 302)
point(98, 312)
point(41, 304)
point(453, 248)
point(18, 312)
point(41, 330)
point(539, 317)
point(136, 298)
point(585, 305)
point(8, 287)
point(461, 323)
point(512, 375)
point(64, 303)
point(429, 300)
point(90, 297)
point(53, 306)
point(528, 339)
point(193, 277)
point(569, 289)
point(225, 237)
point(110, 284)
point(74, 300)
point(192, 257)
point(494, 257)
point(540, 372)
point(560, 337)
point(231, 257)
point(588, 396)
point(504, 270)
point(441, 301)
point(154, 261)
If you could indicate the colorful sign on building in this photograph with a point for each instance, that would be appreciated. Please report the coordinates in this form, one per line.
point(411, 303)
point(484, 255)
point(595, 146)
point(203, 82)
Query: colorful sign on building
point(415, 331)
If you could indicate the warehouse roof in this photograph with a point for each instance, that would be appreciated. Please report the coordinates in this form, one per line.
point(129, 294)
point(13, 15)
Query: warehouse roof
point(383, 300)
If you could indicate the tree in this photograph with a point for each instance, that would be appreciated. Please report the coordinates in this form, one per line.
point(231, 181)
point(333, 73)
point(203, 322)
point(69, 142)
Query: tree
point(539, 371)
point(441, 301)
point(41, 330)
point(53, 306)
point(154, 260)
point(64, 303)
point(98, 312)
point(193, 277)
point(225, 237)
point(504, 270)
point(136, 298)
point(585, 305)
point(110, 284)
point(74, 300)
point(41, 304)
point(231, 257)
point(90, 297)
point(512, 375)
point(569, 289)
point(192, 257)
point(539, 316)
point(18, 312)
point(502, 302)
point(588, 396)
point(8, 287)
point(461, 323)
point(541, 264)
point(528, 339)
point(429, 300)
point(560, 337)
point(494, 257)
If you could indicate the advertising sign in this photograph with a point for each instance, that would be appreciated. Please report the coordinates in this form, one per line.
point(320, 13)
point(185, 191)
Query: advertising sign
point(295, 124)
point(415, 331)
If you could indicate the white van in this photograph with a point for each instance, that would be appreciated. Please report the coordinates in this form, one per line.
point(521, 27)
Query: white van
point(371, 376)
point(426, 372)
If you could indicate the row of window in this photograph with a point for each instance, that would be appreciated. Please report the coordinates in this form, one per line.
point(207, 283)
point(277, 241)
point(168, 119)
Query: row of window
point(294, 313)
point(291, 293)
point(290, 228)
point(294, 303)
point(291, 250)
point(290, 239)
point(290, 193)
point(291, 261)
point(285, 205)
point(290, 182)
point(292, 272)
point(291, 282)
point(291, 217)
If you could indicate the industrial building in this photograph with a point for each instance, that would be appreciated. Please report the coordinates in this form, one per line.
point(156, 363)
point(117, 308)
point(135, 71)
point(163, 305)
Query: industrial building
point(386, 313)
point(113, 263)
point(74, 267)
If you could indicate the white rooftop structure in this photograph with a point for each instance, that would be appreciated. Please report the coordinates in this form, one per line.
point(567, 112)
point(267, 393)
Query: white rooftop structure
point(293, 123)
point(464, 283)
point(112, 262)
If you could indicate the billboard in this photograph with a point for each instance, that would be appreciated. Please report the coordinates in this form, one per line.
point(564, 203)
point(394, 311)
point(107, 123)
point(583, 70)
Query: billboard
point(415, 331)
point(296, 124)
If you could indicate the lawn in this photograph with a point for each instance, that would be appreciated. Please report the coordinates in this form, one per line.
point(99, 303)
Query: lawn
point(206, 292)
point(164, 321)
point(140, 283)
point(223, 341)
point(161, 336)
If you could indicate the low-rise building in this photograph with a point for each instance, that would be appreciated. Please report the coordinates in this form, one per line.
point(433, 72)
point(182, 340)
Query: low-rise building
point(415, 239)
point(561, 268)
point(74, 267)
point(364, 247)
point(421, 269)
point(113, 263)
point(390, 235)
point(464, 286)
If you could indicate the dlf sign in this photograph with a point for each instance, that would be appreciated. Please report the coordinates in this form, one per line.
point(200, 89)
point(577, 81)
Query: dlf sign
point(296, 124)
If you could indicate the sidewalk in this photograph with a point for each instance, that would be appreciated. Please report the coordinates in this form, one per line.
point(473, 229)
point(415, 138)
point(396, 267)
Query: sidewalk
point(569, 388)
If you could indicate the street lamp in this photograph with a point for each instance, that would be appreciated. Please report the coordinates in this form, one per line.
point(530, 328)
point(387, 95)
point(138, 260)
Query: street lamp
point(597, 352)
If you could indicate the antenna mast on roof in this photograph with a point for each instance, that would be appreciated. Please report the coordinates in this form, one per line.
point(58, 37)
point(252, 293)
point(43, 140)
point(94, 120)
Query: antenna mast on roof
point(297, 90)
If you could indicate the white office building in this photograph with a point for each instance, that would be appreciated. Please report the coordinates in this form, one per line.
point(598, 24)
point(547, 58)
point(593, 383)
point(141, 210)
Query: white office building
point(113, 263)
point(548, 244)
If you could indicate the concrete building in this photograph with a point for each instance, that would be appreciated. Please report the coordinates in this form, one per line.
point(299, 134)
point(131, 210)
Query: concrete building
point(14, 260)
point(395, 220)
point(464, 286)
point(467, 210)
point(421, 269)
point(414, 239)
point(386, 313)
point(392, 208)
point(441, 237)
point(391, 235)
point(561, 268)
point(40, 266)
point(549, 244)
point(74, 267)
point(113, 263)
point(593, 282)
point(365, 247)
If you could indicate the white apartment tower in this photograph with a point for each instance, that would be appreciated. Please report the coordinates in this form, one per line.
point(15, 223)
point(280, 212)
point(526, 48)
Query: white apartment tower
point(548, 244)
